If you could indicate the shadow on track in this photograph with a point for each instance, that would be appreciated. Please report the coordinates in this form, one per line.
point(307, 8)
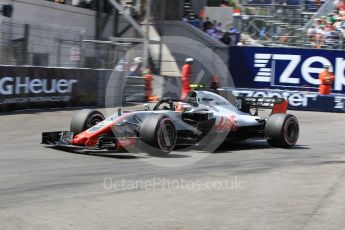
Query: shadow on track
point(100, 153)
point(224, 148)
point(249, 145)
point(124, 155)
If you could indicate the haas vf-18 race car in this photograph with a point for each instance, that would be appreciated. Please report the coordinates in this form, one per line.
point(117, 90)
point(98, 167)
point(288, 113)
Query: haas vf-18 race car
point(204, 118)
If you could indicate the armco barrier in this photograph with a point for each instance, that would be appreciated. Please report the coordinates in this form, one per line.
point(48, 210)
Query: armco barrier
point(298, 100)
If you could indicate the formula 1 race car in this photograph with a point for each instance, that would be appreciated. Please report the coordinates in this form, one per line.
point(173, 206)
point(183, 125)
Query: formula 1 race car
point(202, 119)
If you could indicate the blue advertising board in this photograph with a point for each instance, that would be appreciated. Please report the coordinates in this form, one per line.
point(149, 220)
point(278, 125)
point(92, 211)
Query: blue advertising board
point(285, 68)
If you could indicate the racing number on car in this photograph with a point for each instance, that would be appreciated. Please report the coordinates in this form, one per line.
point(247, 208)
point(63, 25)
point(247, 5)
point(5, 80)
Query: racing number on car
point(227, 123)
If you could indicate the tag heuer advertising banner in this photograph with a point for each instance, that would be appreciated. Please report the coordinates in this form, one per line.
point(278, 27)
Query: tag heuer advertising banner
point(285, 68)
point(38, 87)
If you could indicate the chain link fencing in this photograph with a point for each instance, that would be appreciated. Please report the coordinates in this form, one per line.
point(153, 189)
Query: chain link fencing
point(55, 46)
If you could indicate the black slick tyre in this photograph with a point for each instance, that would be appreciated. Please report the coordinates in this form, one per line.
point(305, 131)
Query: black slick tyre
point(282, 130)
point(85, 119)
point(158, 135)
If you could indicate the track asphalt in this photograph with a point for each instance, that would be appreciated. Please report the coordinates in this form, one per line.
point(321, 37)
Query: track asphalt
point(249, 186)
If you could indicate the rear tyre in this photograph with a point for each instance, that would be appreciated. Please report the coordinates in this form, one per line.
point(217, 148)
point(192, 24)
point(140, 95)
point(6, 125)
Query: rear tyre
point(282, 130)
point(85, 119)
point(158, 135)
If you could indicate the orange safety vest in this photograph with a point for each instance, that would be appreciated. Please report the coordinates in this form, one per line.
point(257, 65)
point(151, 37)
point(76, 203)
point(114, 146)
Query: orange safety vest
point(148, 80)
point(185, 78)
point(326, 82)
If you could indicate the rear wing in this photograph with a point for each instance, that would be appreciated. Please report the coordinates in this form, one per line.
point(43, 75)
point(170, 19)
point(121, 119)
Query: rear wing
point(245, 104)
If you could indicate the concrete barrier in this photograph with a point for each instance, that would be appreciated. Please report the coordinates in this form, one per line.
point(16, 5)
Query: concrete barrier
point(37, 87)
point(28, 87)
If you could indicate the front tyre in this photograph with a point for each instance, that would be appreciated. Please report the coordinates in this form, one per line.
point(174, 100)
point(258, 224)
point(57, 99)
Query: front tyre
point(158, 135)
point(85, 119)
point(282, 130)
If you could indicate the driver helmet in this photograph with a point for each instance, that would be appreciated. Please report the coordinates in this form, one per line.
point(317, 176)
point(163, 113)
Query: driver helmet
point(189, 60)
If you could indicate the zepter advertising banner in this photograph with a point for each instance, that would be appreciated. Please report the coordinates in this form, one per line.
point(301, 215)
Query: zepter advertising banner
point(37, 87)
point(285, 68)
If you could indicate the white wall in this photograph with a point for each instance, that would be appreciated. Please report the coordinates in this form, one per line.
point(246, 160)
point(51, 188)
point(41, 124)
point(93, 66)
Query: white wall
point(41, 12)
point(205, 50)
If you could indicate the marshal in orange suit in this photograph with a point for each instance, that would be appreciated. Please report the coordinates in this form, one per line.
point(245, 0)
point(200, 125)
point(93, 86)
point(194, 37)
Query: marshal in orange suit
point(326, 81)
point(186, 77)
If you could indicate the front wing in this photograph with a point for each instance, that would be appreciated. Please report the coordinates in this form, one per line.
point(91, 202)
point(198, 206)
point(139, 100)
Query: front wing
point(64, 139)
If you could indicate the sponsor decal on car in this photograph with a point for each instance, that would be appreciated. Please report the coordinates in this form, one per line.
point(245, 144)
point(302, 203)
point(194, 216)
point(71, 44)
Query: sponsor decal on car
point(295, 99)
point(226, 124)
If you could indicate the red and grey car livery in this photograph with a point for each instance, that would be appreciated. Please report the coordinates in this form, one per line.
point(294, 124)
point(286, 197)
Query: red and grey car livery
point(203, 118)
